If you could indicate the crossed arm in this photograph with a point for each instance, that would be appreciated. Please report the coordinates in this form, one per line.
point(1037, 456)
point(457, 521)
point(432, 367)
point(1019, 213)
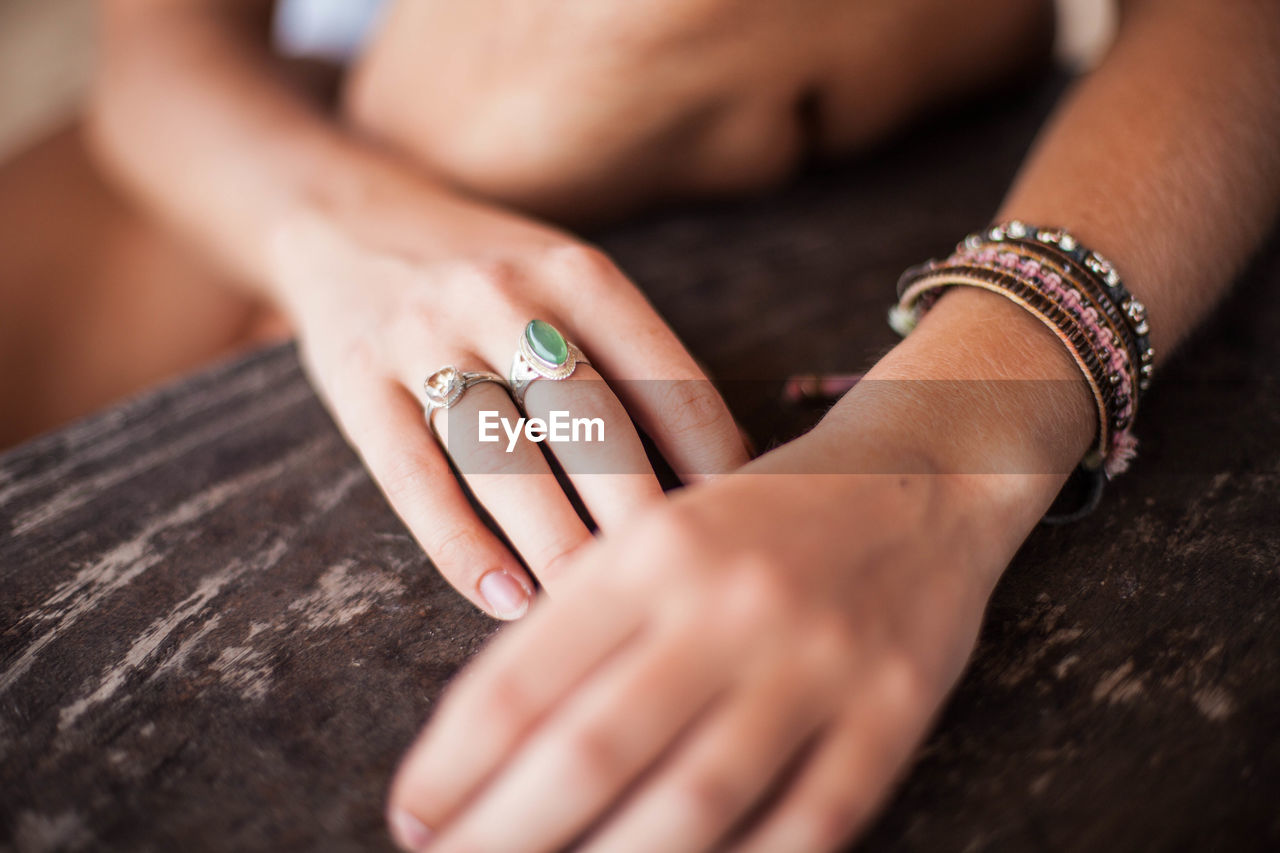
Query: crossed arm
point(808, 626)
point(747, 626)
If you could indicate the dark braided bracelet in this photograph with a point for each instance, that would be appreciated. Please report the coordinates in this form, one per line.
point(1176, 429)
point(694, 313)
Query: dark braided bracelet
point(1080, 296)
point(1119, 376)
point(1061, 243)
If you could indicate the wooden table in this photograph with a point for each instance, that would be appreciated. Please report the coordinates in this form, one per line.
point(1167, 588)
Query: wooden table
point(215, 635)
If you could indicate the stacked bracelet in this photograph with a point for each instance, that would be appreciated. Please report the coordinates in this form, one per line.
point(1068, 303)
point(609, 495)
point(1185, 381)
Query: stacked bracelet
point(1073, 291)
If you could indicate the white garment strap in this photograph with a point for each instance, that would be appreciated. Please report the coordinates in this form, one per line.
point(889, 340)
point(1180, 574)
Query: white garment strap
point(332, 30)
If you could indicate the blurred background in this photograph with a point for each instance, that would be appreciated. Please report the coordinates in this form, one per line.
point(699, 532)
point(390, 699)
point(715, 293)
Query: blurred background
point(78, 258)
point(46, 59)
point(70, 237)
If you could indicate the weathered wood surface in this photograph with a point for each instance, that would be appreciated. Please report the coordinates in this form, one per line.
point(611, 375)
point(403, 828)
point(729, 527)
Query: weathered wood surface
point(214, 634)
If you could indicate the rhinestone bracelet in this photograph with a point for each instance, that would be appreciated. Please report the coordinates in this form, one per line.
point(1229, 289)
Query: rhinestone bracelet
point(1074, 291)
point(1060, 243)
point(1118, 375)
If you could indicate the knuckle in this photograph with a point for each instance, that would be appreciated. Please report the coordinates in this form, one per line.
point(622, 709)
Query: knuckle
point(714, 798)
point(360, 357)
point(508, 705)
point(559, 558)
point(595, 756)
point(904, 682)
point(417, 320)
point(690, 406)
point(756, 594)
point(593, 396)
point(743, 601)
point(403, 478)
point(344, 369)
point(828, 643)
point(830, 824)
point(672, 533)
point(496, 278)
point(370, 106)
point(473, 459)
point(580, 262)
point(456, 549)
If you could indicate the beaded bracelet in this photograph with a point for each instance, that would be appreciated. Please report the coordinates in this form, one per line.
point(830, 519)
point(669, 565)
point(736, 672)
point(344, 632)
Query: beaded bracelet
point(931, 283)
point(1099, 270)
point(1079, 296)
point(1106, 339)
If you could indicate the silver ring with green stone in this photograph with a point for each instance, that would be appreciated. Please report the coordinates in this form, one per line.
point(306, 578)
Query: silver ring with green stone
point(446, 386)
point(543, 354)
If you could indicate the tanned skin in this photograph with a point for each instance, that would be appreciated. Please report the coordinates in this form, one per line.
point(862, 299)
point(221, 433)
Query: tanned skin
point(701, 643)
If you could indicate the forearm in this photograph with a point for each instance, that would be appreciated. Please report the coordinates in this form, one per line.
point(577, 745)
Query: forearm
point(985, 403)
point(191, 112)
point(1165, 159)
point(1150, 163)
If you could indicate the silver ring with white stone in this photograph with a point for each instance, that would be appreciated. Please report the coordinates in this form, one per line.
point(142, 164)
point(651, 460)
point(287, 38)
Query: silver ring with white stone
point(446, 386)
point(543, 353)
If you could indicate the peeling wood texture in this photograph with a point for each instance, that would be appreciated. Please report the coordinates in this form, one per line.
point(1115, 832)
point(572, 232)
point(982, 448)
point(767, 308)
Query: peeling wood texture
point(214, 634)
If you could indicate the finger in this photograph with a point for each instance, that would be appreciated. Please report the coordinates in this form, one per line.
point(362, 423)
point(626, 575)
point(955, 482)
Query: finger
point(828, 803)
point(850, 773)
point(592, 747)
point(512, 480)
point(701, 791)
point(605, 461)
point(652, 372)
point(505, 693)
point(384, 423)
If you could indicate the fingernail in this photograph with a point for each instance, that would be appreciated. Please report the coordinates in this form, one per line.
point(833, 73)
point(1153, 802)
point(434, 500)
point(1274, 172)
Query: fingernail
point(504, 595)
point(408, 832)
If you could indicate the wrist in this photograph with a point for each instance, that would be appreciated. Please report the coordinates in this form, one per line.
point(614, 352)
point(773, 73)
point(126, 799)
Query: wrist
point(340, 225)
point(982, 390)
point(360, 197)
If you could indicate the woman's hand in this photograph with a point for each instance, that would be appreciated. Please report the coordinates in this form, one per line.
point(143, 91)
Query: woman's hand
point(388, 276)
point(774, 642)
point(755, 660)
point(383, 303)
